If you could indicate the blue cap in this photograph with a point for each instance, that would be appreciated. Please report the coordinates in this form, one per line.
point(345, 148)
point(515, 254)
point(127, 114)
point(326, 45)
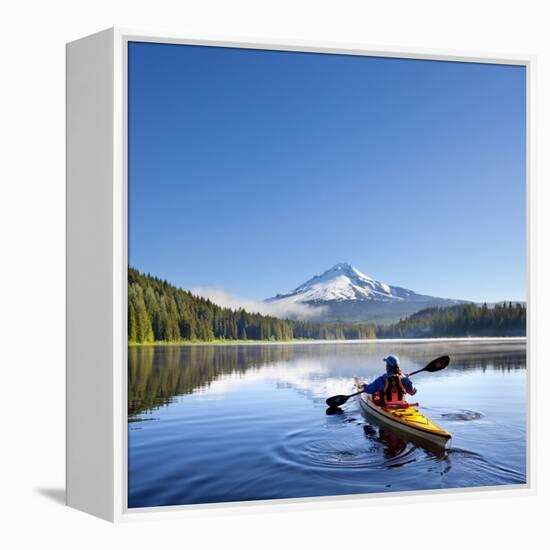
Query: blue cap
point(392, 361)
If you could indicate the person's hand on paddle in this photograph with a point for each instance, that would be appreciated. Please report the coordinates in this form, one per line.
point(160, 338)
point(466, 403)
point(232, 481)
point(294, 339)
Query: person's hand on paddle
point(412, 390)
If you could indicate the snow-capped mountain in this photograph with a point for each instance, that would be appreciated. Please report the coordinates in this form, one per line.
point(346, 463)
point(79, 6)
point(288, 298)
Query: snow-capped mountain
point(344, 282)
point(347, 294)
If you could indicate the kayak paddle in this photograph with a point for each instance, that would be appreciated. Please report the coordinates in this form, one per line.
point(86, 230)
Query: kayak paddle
point(338, 400)
point(433, 366)
point(437, 364)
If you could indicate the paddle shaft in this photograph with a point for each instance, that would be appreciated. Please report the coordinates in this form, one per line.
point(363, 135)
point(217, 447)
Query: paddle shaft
point(343, 398)
point(417, 371)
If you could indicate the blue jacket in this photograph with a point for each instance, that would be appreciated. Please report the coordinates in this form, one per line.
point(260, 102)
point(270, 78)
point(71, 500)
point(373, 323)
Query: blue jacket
point(379, 383)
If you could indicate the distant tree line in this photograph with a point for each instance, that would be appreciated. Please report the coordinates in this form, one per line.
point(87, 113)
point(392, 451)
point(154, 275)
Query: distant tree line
point(504, 319)
point(160, 312)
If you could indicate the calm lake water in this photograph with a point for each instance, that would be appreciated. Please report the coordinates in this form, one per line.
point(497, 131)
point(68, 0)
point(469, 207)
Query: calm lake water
point(247, 422)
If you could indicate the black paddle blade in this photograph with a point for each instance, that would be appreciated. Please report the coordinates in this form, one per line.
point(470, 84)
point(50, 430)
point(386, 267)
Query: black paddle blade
point(334, 410)
point(438, 364)
point(337, 400)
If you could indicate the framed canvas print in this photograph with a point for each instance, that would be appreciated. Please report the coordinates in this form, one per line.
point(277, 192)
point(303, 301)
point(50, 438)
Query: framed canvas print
point(295, 273)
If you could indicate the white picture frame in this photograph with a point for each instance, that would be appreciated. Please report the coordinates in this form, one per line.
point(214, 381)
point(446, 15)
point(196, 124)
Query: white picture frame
point(97, 258)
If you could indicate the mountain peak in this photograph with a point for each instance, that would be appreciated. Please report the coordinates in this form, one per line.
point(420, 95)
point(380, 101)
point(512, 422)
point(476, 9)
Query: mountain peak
point(346, 269)
point(342, 266)
point(343, 282)
point(350, 295)
point(347, 294)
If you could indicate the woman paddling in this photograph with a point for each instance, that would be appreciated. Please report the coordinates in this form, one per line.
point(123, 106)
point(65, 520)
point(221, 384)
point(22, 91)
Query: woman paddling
point(390, 388)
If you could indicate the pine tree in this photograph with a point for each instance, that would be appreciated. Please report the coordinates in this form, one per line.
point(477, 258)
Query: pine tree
point(132, 323)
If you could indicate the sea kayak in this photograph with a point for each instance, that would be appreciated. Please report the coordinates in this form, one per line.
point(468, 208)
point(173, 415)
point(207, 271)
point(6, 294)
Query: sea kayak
point(408, 420)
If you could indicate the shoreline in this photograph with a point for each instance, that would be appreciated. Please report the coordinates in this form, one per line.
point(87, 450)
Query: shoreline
point(502, 339)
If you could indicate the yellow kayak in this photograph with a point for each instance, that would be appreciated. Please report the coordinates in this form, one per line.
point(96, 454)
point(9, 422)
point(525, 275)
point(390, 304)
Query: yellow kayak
point(409, 420)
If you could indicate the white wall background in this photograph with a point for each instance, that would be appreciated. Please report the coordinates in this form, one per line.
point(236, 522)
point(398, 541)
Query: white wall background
point(33, 35)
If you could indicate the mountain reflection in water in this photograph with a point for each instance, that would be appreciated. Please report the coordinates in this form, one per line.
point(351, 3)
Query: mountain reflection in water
point(247, 422)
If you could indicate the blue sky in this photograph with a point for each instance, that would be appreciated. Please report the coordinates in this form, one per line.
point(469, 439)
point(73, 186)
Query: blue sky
point(252, 170)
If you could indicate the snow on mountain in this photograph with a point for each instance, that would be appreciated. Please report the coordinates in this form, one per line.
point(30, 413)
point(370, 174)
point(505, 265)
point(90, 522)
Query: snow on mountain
point(345, 294)
point(344, 283)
